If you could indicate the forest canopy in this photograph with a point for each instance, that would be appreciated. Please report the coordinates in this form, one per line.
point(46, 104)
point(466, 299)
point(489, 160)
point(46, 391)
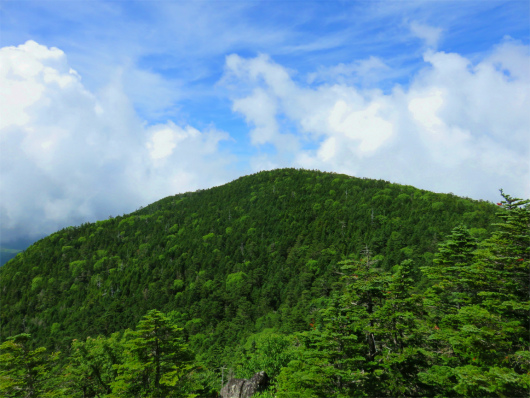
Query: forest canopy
point(333, 285)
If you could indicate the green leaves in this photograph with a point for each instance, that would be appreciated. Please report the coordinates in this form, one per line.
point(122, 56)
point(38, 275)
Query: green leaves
point(27, 373)
point(481, 309)
point(474, 381)
point(112, 271)
point(451, 273)
point(151, 361)
point(466, 335)
point(92, 365)
point(157, 361)
point(254, 256)
point(268, 352)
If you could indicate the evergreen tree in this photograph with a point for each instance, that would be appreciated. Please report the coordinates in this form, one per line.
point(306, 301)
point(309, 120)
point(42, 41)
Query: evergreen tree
point(401, 332)
point(157, 362)
point(451, 274)
point(25, 372)
point(482, 349)
point(450, 270)
point(91, 367)
point(338, 356)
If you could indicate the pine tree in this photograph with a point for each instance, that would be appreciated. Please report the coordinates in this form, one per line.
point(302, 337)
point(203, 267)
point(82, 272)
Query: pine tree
point(91, 367)
point(157, 361)
point(451, 273)
point(482, 349)
point(337, 357)
point(503, 263)
point(401, 330)
point(24, 372)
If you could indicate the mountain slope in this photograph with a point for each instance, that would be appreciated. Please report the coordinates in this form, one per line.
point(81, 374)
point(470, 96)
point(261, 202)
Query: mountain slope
point(7, 254)
point(225, 262)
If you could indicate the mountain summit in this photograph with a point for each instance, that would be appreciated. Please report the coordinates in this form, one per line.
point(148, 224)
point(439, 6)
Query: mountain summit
point(252, 254)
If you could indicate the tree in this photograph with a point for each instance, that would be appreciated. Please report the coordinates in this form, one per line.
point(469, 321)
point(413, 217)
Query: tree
point(24, 372)
point(157, 362)
point(400, 326)
point(268, 352)
point(338, 356)
point(451, 274)
point(91, 368)
point(482, 349)
point(503, 263)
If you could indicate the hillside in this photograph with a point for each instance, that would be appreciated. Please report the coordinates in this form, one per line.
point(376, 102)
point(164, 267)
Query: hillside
point(230, 261)
point(332, 285)
point(7, 254)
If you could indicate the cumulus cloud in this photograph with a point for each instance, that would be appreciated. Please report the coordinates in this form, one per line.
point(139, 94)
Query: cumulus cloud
point(69, 155)
point(459, 126)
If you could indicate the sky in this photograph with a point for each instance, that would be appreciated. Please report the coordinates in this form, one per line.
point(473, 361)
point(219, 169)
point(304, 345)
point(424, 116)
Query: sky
point(107, 106)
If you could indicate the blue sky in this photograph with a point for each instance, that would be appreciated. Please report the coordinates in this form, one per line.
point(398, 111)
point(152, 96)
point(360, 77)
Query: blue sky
point(110, 105)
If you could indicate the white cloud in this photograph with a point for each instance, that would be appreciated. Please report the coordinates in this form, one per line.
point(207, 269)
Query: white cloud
point(365, 72)
point(459, 126)
point(260, 110)
point(337, 110)
point(69, 156)
point(166, 137)
point(364, 126)
point(429, 34)
point(20, 93)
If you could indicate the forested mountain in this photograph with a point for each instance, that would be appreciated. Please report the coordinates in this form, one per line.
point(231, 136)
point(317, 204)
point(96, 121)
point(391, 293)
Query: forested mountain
point(7, 254)
point(279, 270)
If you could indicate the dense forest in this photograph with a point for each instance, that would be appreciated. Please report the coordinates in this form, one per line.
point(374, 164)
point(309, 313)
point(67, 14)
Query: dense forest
point(335, 286)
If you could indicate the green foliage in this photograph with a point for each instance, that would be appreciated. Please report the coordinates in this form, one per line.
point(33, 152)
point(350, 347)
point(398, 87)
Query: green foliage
point(151, 361)
point(287, 241)
point(208, 236)
point(36, 282)
point(236, 281)
point(157, 361)
point(451, 273)
point(266, 351)
point(91, 369)
point(24, 372)
point(364, 341)
point(265, 259)
point(460, 337)
point(478, 339)
point(178, 284)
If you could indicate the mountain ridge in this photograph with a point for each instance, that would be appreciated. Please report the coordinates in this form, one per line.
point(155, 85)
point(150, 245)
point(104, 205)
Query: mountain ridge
point(227, 261)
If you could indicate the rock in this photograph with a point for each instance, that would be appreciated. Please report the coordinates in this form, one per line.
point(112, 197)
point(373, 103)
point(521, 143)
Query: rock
point(232, 389)
point(245, 388)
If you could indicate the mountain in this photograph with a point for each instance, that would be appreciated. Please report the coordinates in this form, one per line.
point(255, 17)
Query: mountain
point(334, 286)
point(10, 249)
point(259, 252)
point(7, 254)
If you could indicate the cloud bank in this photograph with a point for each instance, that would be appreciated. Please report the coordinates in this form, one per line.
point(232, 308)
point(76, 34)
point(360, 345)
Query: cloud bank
point(69, 155)
point(460, 126)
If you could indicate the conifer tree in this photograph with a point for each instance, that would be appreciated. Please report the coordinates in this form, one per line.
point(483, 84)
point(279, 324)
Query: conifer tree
point(503, 263)
point(25, 372)
point(482, 349)
point(157, 361)
point(338, 356)
point(451, 274)
point(92, 365)
point(401, 331)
